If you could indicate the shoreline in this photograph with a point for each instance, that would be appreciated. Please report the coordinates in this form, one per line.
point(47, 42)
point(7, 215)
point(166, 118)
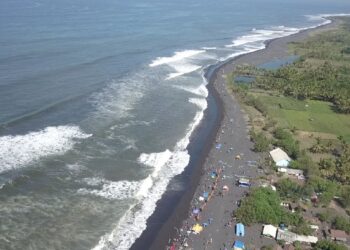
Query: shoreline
point(173, 209)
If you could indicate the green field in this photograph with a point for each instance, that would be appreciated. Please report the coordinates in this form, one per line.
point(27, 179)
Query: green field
point(310, 115)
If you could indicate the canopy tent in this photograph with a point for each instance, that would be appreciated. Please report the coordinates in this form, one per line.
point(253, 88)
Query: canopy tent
point(205, 195)
point(239, 229)
point(197, 228)
point(238, 245)
point(270, 231)
point(195, 211)
point(213, 174)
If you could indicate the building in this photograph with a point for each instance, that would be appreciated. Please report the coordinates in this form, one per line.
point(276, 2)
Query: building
point(338, 235)
point(269, 231)
point(280, 157)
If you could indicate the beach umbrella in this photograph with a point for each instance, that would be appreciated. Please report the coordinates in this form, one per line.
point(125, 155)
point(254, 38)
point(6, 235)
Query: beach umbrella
point(205, 195)
point(195, 211)
point(197, 228)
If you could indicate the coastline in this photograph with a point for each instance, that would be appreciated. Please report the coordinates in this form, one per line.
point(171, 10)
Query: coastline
point(227, 119)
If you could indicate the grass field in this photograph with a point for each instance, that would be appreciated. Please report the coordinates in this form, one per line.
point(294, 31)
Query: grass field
point(312, 116)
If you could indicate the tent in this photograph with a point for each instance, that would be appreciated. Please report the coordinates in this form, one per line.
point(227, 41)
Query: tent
point(269, 231)
point(195, 211)
point(238, 245)
point(197, 228)
point(225, 188)
point(205, 195)
point(239, 229)
point(213, 175)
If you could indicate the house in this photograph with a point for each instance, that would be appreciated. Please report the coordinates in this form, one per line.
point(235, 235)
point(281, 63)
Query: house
point(269, 231)
point(280, 157)
point(338, 235)
point(239, 229)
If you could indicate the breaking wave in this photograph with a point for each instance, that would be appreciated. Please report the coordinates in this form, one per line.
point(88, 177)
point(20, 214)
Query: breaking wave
point(20, 150)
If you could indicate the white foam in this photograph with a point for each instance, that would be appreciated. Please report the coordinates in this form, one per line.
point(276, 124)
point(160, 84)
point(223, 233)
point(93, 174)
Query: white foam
point(182, 69)
point(20, 150)
point(199, 102)
point(261, 35)
point(166, 165)
point(178, 56)
point(156, 160)
point(181, 62)
point(118, 190)
point(118, 98)
point(200, 90)
point(209, 48)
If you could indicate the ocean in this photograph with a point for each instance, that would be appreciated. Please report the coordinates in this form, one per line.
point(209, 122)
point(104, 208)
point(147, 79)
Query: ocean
point(99, 100)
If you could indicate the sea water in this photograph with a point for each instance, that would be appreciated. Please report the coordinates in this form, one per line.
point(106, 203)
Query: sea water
point(98, 102)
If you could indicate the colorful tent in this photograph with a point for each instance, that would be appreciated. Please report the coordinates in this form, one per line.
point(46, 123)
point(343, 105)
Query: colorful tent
point(238, 245)
point(195, 211)
point(197, 228)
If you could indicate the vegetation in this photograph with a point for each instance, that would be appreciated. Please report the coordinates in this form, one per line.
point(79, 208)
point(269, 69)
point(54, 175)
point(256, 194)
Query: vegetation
point(261, 143)
point(341, 223)
point(328, 245)
point(286, 141)
point(263, 206)
point(303, 108)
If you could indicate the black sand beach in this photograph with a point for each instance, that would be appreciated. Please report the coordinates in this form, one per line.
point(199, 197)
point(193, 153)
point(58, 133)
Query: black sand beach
point(225, 124)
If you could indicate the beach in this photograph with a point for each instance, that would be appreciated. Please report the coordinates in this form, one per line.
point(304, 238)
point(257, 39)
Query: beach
point(227, 157)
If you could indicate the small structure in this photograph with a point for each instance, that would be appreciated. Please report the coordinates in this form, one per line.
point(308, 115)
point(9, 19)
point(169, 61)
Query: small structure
point(269, 231)
point(338, 235)
point(291, 171)
point(291, 237)
point(267, 185)
point(197, 228)
point(243, 182)
point(280, 157)
point(238, 245)
point(205, 196)
point(239, 229)
point(286, 236)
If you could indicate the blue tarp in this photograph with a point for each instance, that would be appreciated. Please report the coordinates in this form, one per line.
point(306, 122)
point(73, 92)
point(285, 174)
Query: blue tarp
point(238, 245)
point(218, 146)
point(239, 229)
point(205, 195)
